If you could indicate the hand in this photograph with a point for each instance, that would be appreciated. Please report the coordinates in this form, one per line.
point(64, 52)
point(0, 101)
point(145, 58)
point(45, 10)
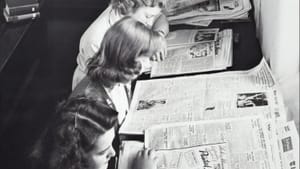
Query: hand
point(145, 159)
point(162, 53)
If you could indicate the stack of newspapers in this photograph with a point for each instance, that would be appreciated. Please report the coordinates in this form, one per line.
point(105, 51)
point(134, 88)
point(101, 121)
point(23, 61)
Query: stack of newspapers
point(226, 120)
point(195, 50)
point(202, 12)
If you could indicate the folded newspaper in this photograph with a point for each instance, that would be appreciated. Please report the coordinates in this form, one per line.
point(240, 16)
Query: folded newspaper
point(196, 50)
point(202, 12)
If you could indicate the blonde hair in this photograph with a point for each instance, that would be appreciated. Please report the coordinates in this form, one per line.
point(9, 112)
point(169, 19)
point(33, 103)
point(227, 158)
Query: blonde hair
point(123, 43)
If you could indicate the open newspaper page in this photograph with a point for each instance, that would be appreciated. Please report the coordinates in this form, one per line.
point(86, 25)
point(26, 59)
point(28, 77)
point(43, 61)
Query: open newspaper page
point(203, 97)
point(288, 141)
point(247, 138)
point(205, 156)
point(212, 54)
point(188, 59)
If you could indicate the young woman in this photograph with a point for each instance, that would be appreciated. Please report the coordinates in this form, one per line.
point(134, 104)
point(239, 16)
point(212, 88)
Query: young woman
point(118, 62)
point(80, 137)
point(145, 11)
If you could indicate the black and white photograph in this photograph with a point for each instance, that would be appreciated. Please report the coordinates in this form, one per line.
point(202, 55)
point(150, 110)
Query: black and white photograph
point(149, 84)
point(205, 36)
point(201, 50)
point(148, 104)
point(251, 100)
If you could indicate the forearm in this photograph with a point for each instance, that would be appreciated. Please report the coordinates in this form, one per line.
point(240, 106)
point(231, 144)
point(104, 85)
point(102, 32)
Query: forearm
point(161, 25)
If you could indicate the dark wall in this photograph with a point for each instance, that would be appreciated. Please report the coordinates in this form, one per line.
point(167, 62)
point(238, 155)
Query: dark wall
point(39, 74)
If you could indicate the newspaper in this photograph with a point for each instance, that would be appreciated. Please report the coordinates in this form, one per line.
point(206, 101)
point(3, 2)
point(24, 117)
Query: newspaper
point(271, 127)
point(206, 22)
point(203, 23)
point(191, 36)
point(213, 51)
point(209, 10)
point(181, 6)
point(249, 146)
point(288, 141)
point(203, 97)
point(210, 7)
point(205, 156)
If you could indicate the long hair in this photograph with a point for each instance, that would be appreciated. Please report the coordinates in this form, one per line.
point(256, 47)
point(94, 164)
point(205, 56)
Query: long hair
point(125, 7)
point(78, 123)
point(123, 43)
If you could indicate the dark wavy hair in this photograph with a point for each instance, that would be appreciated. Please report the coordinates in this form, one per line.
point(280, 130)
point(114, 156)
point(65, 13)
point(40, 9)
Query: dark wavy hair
point(127, 6)
point(78, 123)
point(122, 44)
